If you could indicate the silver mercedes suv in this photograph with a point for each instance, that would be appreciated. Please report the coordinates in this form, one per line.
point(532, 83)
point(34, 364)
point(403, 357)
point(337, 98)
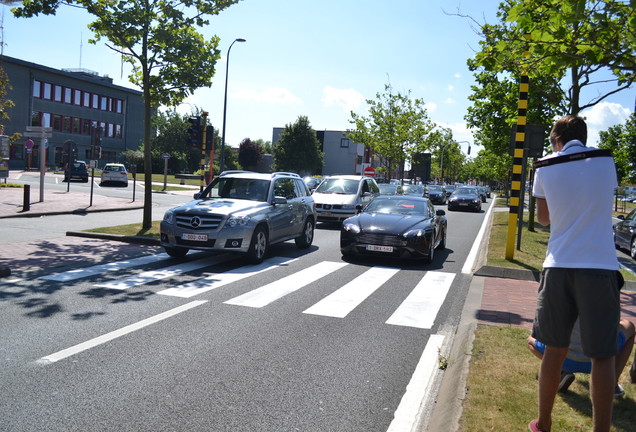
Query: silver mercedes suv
point(242, 211)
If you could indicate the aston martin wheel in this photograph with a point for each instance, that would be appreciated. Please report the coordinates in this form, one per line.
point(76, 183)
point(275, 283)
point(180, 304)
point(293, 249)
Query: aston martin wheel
point(431, 252)
point(442, 242)
point(258, 246)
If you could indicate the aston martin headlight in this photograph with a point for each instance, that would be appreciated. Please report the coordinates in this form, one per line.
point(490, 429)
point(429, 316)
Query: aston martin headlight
point(414, 233)
point(476, 201)
point(351, 227)
point(168, 217)
point(235, 221)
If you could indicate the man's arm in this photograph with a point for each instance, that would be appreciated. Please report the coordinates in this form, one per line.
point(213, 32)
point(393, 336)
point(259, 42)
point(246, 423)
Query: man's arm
point(543, 214)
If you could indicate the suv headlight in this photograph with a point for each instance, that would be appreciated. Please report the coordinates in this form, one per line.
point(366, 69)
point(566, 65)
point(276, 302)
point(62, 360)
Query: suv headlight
point(348, 206)
point(168, 217)
point(235, 221)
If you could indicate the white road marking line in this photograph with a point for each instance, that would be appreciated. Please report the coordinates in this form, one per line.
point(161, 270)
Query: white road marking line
point(103, 268)
point(155, 275)
point(60, 355)
point(339, 303)
point(420, 308)
point(474, 250)
point(218, 280)
point(268, 293)
point(405, 416)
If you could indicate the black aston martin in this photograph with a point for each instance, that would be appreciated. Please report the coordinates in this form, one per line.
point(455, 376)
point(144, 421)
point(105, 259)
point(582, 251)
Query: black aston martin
point(395, 226)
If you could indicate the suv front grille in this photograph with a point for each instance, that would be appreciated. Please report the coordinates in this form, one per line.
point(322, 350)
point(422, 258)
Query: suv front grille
point(329, 206)
point(197, 221)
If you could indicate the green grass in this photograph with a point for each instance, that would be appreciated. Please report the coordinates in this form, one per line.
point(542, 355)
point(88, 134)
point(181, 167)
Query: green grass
point(502, 389)
point(130, 230)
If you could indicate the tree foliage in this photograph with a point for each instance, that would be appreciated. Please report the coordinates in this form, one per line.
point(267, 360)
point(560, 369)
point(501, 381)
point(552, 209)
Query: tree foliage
point(250, 154)
point(159, 38)
point(5, 103)
point(172, 138)
point(559, 38)
point(298, 149)
point(396, 129)
point(621, 139)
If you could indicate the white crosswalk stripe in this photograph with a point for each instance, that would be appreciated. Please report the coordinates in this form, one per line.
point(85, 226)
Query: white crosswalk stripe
point(271, 292)
point(420, 308)
point(218, 280)
point(341, 302)
point(155, 275)
point(103, 268)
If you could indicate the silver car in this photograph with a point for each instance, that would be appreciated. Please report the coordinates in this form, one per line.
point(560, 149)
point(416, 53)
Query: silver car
point(114, 173)
point(242, 211)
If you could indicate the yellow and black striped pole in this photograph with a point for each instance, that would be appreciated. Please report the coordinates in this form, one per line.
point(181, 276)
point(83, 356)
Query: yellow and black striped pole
point(517, 162)
point(204, 127)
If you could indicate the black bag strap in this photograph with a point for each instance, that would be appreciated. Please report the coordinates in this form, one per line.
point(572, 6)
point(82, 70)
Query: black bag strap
point(572, 157)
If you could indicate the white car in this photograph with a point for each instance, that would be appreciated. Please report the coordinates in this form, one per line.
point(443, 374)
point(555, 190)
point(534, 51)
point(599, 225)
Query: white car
point(337, 196)
point(114, 173)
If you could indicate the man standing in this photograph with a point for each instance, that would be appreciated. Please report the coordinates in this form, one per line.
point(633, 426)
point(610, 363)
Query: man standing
point(574, 189)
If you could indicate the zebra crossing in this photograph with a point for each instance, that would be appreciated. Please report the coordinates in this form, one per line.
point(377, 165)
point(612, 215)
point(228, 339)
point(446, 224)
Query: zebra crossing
point(419, 309)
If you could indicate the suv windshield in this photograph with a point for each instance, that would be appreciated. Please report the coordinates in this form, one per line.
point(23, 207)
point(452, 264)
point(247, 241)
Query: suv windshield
point(339, 186)
point(237, 188)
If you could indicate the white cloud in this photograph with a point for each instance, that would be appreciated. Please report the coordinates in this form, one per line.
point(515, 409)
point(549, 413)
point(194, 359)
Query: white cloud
point(601, 117)
point(347, 99)
point(430, 107)
point(457, 75)
point(450, 101)
point(270, 95)
point(451, 87)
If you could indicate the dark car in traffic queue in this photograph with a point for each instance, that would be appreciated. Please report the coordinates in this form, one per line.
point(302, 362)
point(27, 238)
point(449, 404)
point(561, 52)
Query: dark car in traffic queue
point(437, 194)
point(76, 170)
point(465, 198)
point(625, 233)
point(404, 227)
point(414, 190)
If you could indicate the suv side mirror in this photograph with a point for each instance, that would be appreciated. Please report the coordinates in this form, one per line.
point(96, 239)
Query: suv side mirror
point(279, 200)
point(197, 195)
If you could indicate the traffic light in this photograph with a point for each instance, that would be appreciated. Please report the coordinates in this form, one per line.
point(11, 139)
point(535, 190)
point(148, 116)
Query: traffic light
point(194, 131)
point(209, 137)
point(96, 143)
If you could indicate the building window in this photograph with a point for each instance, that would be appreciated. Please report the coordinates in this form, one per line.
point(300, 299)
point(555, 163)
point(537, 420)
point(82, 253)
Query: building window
point(45, 120)
point(57, 122)
point(118, 131)
point(119, 106)
point(76, 125)
point(16, 151)
point(67, 124)
point(68, 95)
point(86, 127)
point(77, 98)
point(57, 93)
point(111, 130)
point(344, 142)
point(87, 100)
point(95, 103)
point(37, 89)
point(46, 91)
point(35, 118)
point(103, 103)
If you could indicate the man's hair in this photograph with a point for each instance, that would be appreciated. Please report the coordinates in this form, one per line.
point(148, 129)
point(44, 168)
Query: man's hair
point(568, 128)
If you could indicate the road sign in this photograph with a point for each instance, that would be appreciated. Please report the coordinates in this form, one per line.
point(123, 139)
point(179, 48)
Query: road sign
point(166, 156)
point(28, 144)
point(369, 171)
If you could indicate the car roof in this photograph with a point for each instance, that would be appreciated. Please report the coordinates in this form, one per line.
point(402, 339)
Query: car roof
point(348, 177)
point(258, 176)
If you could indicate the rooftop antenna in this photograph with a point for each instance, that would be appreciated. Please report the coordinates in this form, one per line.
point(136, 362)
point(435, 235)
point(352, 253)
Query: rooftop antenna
point(81, 42)
point(4, 3)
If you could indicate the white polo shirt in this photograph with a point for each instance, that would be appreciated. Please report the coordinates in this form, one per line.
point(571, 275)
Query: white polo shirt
point(580, 197)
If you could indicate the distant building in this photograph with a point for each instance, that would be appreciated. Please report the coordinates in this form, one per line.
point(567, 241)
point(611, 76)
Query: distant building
point(73, 102)
point(341, 155)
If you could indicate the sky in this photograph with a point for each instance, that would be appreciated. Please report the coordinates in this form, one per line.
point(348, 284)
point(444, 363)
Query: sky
point(319, 59)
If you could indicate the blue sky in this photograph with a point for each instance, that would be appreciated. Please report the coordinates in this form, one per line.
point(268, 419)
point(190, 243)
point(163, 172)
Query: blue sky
point(321, 59)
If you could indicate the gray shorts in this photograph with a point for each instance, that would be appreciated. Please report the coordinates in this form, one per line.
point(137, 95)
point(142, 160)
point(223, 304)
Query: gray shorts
point(590, 294)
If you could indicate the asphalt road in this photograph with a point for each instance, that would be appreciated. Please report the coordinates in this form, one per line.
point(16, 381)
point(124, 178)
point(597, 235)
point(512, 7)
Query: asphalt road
point(212, 344)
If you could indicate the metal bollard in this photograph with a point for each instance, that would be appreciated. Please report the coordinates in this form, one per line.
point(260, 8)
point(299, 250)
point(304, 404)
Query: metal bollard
point(26, 204)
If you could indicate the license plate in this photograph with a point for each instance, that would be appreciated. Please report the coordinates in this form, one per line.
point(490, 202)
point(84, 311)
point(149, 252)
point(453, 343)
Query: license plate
point(463, 204)
point(375, 248)
point(194, 237)
point(325, 214)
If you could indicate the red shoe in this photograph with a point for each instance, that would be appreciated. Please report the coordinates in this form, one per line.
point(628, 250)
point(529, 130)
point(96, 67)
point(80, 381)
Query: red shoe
point(532, 426)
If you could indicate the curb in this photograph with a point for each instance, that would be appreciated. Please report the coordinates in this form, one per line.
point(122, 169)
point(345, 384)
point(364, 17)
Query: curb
point(63, 212)
point(146, 241)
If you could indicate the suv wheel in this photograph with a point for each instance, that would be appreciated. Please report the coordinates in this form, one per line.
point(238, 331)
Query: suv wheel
point(176, 252)
point(258, 246)
point(307, 236)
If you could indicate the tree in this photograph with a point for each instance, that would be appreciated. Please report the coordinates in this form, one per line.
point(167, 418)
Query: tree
point(5, 103)
point(564, 37)
point(250, 154)
point(396, 129)
point(172, 138)
point(298, 149)
point(621, 139)
point(170, 58)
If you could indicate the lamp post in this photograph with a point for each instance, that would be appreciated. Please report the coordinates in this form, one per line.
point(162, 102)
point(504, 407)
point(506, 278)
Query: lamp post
point(441, 164)
point(227, 68)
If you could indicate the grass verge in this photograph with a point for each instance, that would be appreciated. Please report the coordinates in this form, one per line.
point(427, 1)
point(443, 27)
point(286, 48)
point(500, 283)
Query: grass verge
point(130, 230)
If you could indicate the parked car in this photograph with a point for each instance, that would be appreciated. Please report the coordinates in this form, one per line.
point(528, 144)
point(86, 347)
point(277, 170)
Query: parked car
point(625, 233)
point(449, 189)
point(465, 198)
point(395, 226)
point(114, 173)
point(390, 189)
point(76, 170)
point(482, 193)
point(437, 194)
point(312, 182)
point(244, 212)
point(337, 196)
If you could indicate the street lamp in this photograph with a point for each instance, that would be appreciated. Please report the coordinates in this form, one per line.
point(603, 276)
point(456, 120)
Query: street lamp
point(441, 164)
point(227, 68)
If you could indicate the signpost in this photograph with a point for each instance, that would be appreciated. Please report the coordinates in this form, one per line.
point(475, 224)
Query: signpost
point(369, 171)
point(43, 133)
point(165, 156)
